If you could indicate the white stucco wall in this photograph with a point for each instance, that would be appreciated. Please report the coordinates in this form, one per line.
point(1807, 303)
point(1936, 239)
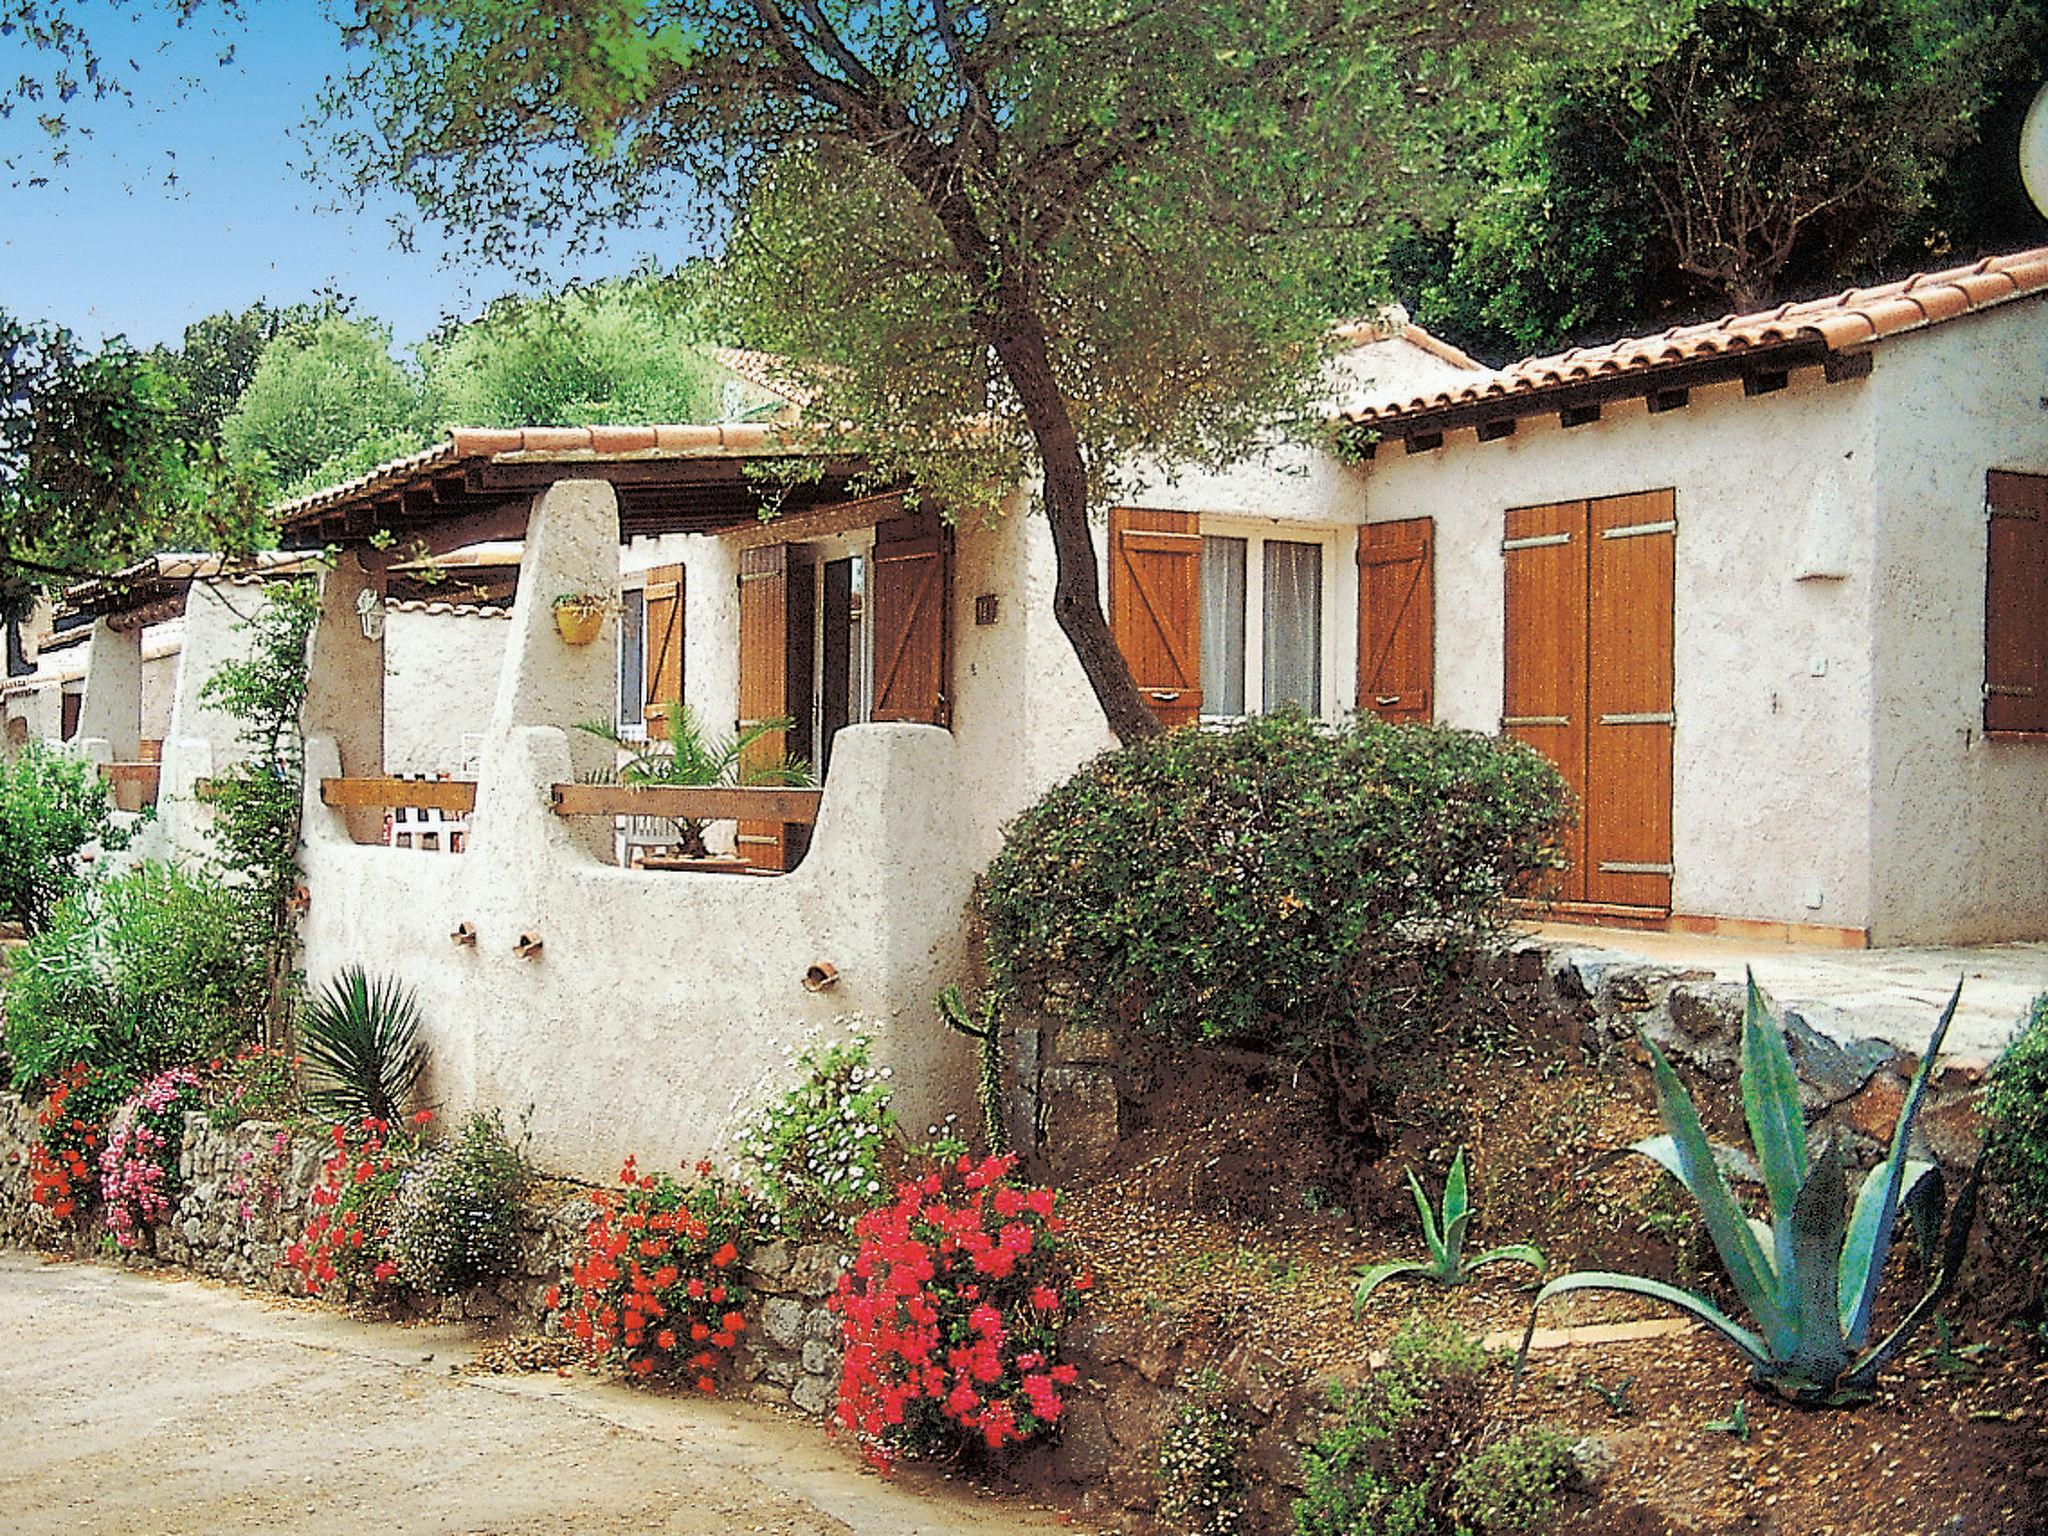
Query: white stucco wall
point(1959, 824)
point(440, 676)
point(199, 740)
point(1772, 763)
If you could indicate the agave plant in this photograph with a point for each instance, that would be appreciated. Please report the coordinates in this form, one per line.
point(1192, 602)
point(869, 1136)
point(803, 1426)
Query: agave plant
point(1809, 1276)
point(694, 757)
point(361, 1041)
point(1446, 1264)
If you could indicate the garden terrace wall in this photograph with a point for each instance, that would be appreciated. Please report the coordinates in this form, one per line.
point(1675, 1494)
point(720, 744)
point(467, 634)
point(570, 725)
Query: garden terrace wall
point(243, 1193)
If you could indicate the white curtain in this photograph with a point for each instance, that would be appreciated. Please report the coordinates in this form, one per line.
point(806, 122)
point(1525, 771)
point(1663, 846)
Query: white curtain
point(1294, 625)
point(1223, 626)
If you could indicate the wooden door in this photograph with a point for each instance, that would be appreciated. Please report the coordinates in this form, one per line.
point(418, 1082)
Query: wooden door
point(909, 601)
point(662, 622)
point(1630, 550)
point(1155, 607)
point(1397, 619)
point(1544, 686)
point(2016, 602)
point(764, 684)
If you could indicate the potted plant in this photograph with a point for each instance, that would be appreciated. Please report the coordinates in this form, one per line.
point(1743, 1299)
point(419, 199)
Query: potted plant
point(696, 757)
point(580, 615)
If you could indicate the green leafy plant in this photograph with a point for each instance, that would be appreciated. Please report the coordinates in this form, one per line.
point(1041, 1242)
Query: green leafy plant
point(1809, 1276)
point(455, 1218)
point(1616, 1396)
point(694, 757)
point(1446, 1264)
point(983, 1025)
point(2016, 1113)
point(1735, 1423)
point(816, 1150)
point(1414, 1452)
point(52, 805)
point(1201, 1484)
point(364, 1055)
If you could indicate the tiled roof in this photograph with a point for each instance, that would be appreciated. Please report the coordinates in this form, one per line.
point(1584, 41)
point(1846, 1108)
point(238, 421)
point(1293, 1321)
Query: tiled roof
point(453, 610)
point(1394, 324)
point(764, 370)
point(1848, 321)
point(547, 444)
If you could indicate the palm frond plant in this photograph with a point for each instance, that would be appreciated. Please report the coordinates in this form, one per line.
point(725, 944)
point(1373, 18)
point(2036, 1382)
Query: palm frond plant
point(695, 757)
point(1445, 1238)
point(361, 1041)
point(1808, 1277)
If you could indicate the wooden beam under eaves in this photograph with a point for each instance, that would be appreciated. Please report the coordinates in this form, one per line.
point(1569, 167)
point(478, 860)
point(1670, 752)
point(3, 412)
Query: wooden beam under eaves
point(1842, 367)
point(1662, 400)
point(1494, 431)
point(1765, 381)
point(1423, 442)
point(1579, 415)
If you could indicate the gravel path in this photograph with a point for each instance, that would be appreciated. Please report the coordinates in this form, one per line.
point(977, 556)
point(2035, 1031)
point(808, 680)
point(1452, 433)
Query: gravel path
point(145, 1405)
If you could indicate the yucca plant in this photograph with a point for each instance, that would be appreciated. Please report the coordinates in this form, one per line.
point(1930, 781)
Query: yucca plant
point(361, 1041)
point(1446, 1264)
point(694, 757)
point(1809, 1276)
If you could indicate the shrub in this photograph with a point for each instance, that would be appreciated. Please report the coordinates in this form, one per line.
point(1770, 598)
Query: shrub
point(1264, 884)
point(2016, 1108)
point(346, 1242)
point(455, 1221)
point(816, 1152)
point(951, 1314)
point(260, 1082)
point(1201, 1487)
point(363, 1047)
point(1387, 1467)
point(63, 1165)
point(139, 1165)
point(51, 806)
point(1510, 1488)
point(134, 974)
point(655, 1288)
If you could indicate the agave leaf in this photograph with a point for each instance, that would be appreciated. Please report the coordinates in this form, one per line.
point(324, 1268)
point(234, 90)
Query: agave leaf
point(1751, 1346)
point(1863, 1260)
point(1812, 1241)
point(1378, 1275)
point(1456, 1203)
point(1755, 1280)
point(1430, 1235)
point(1924, 1198)
point(1777, 1126)
point(1512, 1253)
point(1925, 1201)
point(1863, 1377)
point(1732, 1161)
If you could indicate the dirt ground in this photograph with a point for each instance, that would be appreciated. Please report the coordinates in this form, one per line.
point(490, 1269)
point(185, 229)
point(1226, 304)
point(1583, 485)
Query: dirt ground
point(152, 1406)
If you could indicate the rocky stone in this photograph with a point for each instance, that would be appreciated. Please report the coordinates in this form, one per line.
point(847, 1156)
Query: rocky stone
point(1083, 1119)
point(813, 1394)
point(1832, 1070)
point(1084, 1450)
point(1874, 1111)
point(820, 1358)
point(814, 1270)
point(783, 1321)
point(1592, 1460)
point(780, 1370)
point(770, 1261)
point(1702, 1011)
point(821, 1324)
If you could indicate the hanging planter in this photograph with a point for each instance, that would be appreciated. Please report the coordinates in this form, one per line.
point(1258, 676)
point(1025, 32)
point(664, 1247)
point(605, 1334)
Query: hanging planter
point(580, 615)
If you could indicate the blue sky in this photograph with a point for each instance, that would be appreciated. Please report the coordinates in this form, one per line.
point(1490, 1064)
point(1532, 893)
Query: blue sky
point(108, 247)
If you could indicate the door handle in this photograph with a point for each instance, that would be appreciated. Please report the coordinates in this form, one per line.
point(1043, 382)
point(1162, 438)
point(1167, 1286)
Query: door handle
point(1164, 695)
point(1387, 700)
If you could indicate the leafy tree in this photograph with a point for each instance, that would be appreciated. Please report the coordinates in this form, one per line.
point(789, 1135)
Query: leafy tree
point(616, 352)
point(1020, 240)
point(217, 357)
point(324, 406)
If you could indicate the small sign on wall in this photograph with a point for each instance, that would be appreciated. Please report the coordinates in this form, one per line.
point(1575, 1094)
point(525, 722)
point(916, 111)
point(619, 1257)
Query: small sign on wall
point(985, 608)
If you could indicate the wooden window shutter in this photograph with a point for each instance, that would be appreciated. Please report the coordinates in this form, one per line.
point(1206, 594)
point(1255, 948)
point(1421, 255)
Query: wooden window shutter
point(2016, 603)
point(663, 596)
point(1397, 619)
point(1155, 607)
point(911, 602)
point(764, 685)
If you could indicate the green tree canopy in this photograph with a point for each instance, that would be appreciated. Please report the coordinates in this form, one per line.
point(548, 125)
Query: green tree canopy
point(614, 352)
point(323, 406)
point(1021, 240)
point(216, 358)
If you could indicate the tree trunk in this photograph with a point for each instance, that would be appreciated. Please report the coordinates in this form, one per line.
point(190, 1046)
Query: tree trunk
point(1077, 587)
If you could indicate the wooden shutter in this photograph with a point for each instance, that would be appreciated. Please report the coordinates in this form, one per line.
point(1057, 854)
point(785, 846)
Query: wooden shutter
point(764, 683)
point(2016, 603)
point(1155, 607)
point(1544, 685)
point(1397, 619)
point(910, 599)
point(663, 631)
point(1631, 559)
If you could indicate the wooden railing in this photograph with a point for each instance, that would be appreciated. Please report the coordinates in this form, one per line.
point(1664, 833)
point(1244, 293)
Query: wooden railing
point(451, 797)
point(679, 802)
point(143, 778)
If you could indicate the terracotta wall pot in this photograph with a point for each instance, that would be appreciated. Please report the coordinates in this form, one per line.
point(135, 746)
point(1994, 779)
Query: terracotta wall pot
point(579, 626)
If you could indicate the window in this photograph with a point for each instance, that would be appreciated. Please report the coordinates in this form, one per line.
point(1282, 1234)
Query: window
point(2016, 603)
point(1262, 624)
point(1222, 625)
point(632, 658)
point(1293, 671)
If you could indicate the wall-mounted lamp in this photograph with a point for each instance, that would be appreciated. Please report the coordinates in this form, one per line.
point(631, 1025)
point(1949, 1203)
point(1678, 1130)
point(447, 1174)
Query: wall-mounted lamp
point(528, 947)
point(370, 613)
point(464, 935)
point(299, 900)
point(821, 976)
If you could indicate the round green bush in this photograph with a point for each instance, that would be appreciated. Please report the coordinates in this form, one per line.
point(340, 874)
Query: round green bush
point(51, 806)
point(2016, 1106)
point(455, 1221)
point(1252, 884)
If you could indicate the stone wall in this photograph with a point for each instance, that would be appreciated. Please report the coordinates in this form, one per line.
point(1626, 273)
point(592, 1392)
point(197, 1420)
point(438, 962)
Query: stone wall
point(243, 1198)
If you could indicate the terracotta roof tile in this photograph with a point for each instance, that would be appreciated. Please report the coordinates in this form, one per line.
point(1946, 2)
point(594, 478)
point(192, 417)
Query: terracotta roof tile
point(765, 370)
point(1853, 318)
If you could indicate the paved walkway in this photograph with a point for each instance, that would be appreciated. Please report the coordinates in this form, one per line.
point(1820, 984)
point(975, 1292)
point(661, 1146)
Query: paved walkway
point(149, 1407)
point(1887, 994)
